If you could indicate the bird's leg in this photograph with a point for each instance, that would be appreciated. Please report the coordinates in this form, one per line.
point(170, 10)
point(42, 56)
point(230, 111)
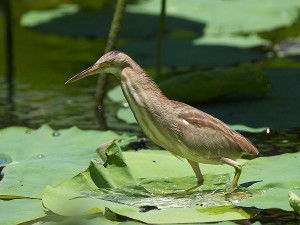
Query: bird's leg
point(198, 174)
point(238, 171)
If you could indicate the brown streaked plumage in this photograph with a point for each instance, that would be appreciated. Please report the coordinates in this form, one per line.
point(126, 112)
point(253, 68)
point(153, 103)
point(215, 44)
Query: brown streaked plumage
point(181, 129)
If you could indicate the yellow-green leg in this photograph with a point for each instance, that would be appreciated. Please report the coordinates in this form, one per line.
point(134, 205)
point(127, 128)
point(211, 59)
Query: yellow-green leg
point(238, 171)
point(197, 171)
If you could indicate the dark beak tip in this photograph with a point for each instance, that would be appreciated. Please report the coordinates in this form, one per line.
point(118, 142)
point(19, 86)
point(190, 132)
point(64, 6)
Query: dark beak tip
point(67, 82)
point(71, 80)
point(82, 74)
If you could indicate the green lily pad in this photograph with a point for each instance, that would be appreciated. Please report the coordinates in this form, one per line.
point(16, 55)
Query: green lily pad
point(36, 17)
point(261, 14)
point(147, 186)
point(116, 95)
point(93, 221)
point(126, 115)
point(57, 199)
point(20, 211)
point(4, 160)
point(269, 198)
point(241, 127)
point(74, 192)
point(45, 157)
point(156, 164)
point(273, 177)
point(232, 40)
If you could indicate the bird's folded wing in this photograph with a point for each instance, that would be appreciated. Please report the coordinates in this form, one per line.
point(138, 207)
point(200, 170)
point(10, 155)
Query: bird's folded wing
point(196, 125)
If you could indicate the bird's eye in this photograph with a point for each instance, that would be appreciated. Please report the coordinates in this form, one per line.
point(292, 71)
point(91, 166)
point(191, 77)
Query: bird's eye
point(108, 62)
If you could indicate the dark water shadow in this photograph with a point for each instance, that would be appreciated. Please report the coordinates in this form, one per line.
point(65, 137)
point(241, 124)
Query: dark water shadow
point(96, 24)
point(138, 35)
point(140, 32)
point(278, 110)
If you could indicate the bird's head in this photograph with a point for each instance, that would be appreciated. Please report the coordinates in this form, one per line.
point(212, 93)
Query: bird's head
point(112, 62)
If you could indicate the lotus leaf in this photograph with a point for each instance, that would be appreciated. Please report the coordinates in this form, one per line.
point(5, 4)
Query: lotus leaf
point(146, 186)
point(45, 157)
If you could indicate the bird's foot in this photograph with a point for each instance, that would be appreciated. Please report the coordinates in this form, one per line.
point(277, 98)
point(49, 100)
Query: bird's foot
point(199, 183)
point(230, 187)
point(230, 190)
point(235, 189)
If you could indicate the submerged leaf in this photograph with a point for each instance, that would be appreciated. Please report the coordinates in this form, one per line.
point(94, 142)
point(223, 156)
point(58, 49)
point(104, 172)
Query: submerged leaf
point(216, 83)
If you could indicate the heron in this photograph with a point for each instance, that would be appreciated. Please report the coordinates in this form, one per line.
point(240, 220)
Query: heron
point(183, 130)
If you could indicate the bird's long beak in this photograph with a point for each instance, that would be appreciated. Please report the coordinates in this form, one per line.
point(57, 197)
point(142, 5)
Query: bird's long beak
point(87, 72)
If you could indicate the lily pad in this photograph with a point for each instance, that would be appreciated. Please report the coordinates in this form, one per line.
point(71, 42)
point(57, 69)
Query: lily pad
point(274, 177)
point(232, 40)
point(152, 168)
point(126, 115)
point(244, 128)
point(36, 17)
point(20, 211)
point(45, 157)
point(74, 193)
point(259, 190)
point(206, 50)
point(261, 14)
point(57, 199)
point(147, 186)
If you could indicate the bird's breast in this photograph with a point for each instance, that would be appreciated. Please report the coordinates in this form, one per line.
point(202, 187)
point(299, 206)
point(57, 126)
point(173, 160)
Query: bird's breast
point(142, 105)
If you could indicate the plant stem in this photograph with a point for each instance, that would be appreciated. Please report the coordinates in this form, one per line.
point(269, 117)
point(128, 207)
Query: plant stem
point(102, 82)
point(160, 36)
point(9, 51)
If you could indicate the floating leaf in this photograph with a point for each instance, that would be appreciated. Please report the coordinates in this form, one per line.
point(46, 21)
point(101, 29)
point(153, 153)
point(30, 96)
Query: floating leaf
point(272, 178)
point(36, 17)
point(126, 115)
point(232, 40)
point(45, 157)
point(241, 127)
point(261, 14)
point(20, 211)
point(148, 185)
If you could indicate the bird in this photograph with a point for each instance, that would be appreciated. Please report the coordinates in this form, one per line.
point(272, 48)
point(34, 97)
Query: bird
point(183, 130)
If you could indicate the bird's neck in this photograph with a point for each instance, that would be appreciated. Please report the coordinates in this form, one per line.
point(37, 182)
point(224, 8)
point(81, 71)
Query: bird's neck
point(146, 101)
point(139, 89)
